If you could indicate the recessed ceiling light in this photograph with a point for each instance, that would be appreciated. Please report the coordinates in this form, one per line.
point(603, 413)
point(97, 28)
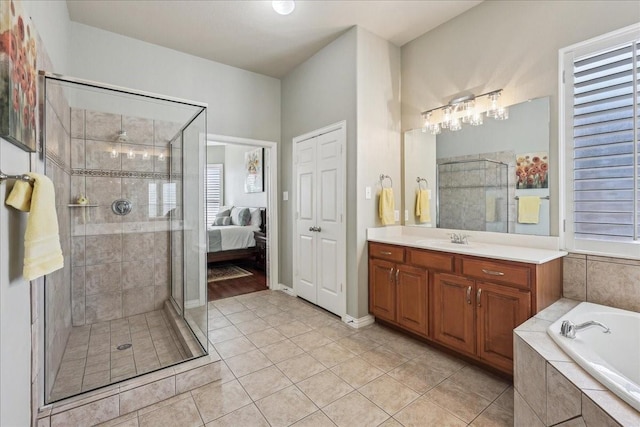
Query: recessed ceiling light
point(283, 7)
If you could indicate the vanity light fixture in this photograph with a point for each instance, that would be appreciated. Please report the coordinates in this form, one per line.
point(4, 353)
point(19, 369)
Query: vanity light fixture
point(161, 157)
point(114, 153)
point(283, 7)
point(468, 109)
point(131, 155)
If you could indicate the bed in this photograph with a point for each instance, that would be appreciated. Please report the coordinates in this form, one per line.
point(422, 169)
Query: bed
point(233, 242)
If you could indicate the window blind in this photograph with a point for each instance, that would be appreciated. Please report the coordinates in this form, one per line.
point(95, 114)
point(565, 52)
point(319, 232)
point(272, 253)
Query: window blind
point(214, 190)
point(605, 145)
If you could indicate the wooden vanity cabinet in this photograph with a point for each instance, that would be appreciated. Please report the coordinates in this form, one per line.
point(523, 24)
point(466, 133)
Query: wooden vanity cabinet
point(471, 303)
point(398, 293)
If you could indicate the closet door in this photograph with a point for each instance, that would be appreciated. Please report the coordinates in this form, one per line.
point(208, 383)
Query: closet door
point(319, 250)
point(330, 259)
point(306, 256)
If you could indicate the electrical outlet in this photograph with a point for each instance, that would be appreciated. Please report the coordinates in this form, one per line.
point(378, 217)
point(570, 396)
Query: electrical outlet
point(396, 215)
point(367, 193)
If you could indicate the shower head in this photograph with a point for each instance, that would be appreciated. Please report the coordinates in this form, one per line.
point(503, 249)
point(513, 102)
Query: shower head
point(122, 136)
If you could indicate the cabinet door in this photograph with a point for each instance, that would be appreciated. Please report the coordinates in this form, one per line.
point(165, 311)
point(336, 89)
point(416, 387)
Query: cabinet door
point(500, 310)
point(411, 294)
point(453, 312)
point(382, 292)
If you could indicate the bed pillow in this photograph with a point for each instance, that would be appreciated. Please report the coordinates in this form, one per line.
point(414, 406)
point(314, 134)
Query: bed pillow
point(256, 218)
point(222, 220)
point(240, 216)
point(224, 211)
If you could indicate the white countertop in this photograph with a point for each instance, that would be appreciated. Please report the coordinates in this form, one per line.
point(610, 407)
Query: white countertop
point(519, 248)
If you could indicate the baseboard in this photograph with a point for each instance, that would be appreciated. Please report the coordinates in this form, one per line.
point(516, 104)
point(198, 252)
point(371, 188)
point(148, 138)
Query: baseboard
point(286, 289)
point(360, 322)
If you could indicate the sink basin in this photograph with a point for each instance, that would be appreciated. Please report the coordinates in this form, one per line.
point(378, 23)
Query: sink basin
point(447, 244)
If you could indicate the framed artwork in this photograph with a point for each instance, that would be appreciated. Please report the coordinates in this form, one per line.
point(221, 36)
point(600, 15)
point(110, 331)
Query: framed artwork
point(532, 170)
point(18, 76)
point(254, 173)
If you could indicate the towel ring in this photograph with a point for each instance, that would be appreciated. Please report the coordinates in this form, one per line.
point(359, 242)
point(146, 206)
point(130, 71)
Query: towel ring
point(23, 177)
point(419, 181)
point(383, 177)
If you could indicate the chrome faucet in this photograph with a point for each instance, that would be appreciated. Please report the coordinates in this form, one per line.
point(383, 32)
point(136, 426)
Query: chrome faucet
point(461, 239)
point(568, 328)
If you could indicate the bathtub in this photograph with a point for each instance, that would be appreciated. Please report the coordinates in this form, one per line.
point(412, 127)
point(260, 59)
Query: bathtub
point(612, 358)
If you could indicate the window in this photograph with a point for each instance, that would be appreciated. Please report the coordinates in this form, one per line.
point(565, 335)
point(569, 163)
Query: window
point(600, 138)
point(214, 187)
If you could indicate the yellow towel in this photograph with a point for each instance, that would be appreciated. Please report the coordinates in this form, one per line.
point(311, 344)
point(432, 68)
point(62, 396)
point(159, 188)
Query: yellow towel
point(528, 209)
point(386, 206)
point(42, 252)
point(490, 208)
point(423, 210)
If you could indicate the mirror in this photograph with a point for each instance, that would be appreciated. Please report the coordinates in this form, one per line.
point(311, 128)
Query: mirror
point(475, 178)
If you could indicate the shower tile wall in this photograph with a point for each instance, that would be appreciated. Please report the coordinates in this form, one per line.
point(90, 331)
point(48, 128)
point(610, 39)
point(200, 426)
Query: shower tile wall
point(460, 186)
point(120, 264)
point(58, 283)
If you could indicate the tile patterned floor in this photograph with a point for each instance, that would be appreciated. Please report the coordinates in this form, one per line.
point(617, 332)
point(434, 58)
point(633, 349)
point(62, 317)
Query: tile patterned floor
point(92, 359)
point(287, 362)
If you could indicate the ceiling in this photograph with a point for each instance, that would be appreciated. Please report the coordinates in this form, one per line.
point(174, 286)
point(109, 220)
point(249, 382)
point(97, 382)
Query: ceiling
point(250, 35)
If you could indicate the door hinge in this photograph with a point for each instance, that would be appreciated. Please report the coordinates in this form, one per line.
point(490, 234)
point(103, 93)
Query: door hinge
point(563, 76)
point(340, 287)
point(564, 225)
point(341, 218)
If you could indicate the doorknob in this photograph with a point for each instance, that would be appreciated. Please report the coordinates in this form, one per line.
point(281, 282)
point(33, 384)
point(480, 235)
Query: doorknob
point(318, 229)
point(312, 229)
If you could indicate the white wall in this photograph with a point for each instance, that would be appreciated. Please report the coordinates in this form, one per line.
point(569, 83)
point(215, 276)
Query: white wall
point(317, 93)
point(234, 176)
point(501, 44)
point(241, 103)
point(378, 150)
point(52, 23)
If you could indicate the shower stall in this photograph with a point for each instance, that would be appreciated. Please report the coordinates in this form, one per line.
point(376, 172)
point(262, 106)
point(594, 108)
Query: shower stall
point(128, 170)
point(473, 195)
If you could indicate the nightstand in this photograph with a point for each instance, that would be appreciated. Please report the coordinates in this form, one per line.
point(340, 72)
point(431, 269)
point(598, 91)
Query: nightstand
point(261, 249)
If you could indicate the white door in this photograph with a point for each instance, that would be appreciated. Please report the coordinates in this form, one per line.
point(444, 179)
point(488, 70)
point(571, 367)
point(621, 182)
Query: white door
point(320, 237)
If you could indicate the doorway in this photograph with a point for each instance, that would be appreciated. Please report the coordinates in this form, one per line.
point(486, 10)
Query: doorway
point(242, 256)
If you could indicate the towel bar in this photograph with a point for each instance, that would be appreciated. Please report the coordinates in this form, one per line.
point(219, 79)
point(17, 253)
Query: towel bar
point(542, 197)
point(419, 181)
point(383, 177)
point(23, 177)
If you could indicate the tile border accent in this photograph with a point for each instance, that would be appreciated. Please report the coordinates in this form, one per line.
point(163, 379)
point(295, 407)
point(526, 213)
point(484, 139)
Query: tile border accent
point(123, 174)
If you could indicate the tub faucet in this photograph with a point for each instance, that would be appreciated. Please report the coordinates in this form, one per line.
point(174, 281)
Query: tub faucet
point(568, 328)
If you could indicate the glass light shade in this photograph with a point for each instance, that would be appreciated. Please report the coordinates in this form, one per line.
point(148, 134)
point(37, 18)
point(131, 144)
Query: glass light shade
point(435, 129)
point(455, 125)
point(131, 155)
point(476, 119)
point(502, 113)
point(446, 118)
point(114, 153)
point(161, 157)
point(283, 7)
point(145, 155)
point(469, 112)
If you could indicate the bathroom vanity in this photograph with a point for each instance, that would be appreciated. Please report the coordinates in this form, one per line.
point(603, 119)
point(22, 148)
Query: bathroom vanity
point(466, 297)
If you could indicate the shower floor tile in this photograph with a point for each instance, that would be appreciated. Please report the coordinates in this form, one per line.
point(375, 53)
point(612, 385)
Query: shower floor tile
point(92, 359)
